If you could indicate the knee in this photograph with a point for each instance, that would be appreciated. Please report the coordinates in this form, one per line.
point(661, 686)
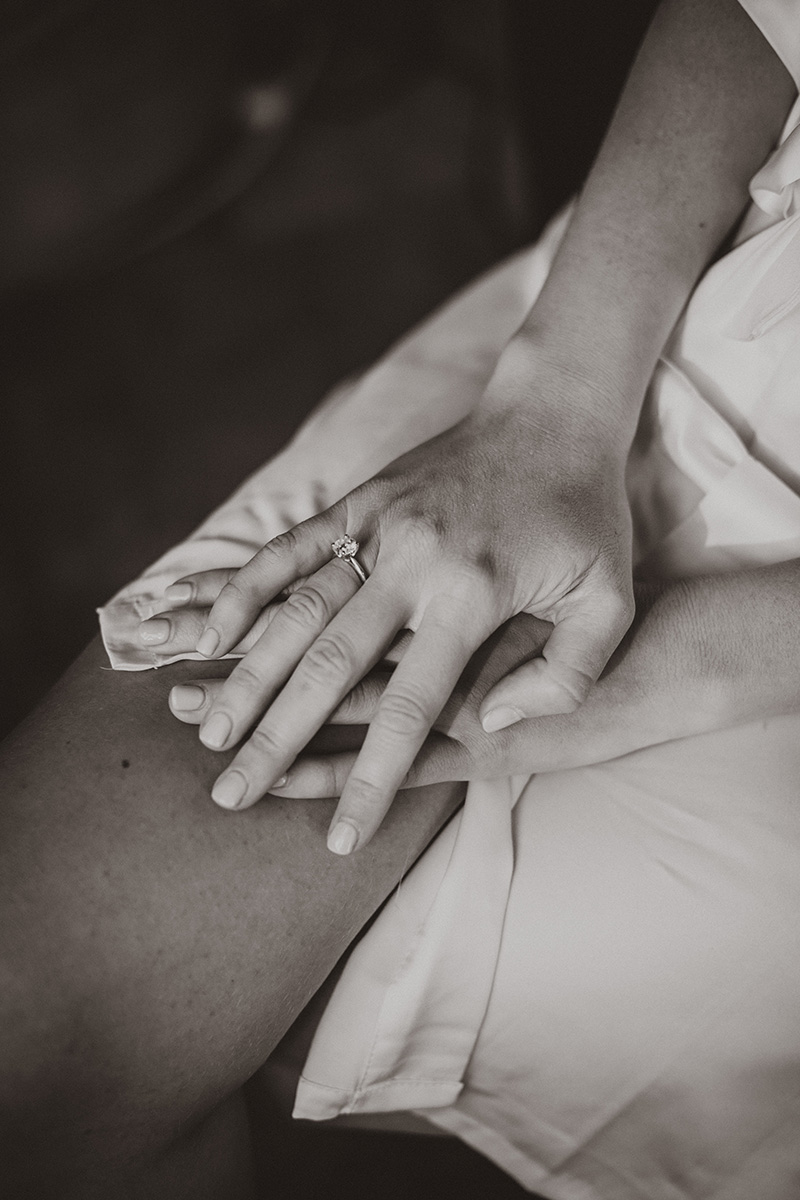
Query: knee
point(50, 1056)
point(78, 1096)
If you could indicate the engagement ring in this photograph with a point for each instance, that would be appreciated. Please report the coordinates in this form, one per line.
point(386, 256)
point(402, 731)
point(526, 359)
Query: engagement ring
point(346, 548)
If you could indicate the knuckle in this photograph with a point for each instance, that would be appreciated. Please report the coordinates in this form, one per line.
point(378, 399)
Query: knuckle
point(306, 607)
point(278, 547)
point(327, 781)
point(486, 568)
point(329, 659)
point(615, 594)
point(570, 691)
point(365, 801)
point(568, 701)
point(625, 610)
point(265, 742)
point(247, 679)
point(421, 532)
point(237, 591)
point(473, 585)
point(404, 712)
point(618, 604)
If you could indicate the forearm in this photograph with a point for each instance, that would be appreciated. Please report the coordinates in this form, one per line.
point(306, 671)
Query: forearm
point(746, 635)
point(703, 654)
point(702, 107)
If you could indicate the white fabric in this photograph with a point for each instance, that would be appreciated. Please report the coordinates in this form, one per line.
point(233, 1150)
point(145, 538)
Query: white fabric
point(592, 976)
point(779, 21)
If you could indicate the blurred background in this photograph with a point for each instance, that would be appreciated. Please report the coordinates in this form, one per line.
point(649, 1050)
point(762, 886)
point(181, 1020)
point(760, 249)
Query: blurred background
point(210, 212)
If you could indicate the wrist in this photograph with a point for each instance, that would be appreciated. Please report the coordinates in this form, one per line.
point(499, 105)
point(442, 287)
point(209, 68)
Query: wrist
point(695, 660)
point(568, 399)
point(657, 686)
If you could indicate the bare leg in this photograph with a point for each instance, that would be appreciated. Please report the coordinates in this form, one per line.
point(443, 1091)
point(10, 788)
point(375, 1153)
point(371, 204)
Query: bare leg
point(155, 948)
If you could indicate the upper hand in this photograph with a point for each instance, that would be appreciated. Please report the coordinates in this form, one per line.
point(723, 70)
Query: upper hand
point(507, 513)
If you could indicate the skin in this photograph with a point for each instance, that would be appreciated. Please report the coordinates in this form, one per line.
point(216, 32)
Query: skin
point(445, 530)
point(154, 950)
point(702, 654)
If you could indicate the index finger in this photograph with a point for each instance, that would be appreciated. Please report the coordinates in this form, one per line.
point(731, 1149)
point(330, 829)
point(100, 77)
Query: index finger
point(337, 659)
point(299, 551)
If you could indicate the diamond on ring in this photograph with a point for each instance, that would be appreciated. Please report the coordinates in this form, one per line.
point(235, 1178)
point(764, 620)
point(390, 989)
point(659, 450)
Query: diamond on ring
point(346, 548)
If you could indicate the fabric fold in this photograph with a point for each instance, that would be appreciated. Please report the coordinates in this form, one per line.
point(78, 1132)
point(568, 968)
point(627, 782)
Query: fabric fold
point(444, 926)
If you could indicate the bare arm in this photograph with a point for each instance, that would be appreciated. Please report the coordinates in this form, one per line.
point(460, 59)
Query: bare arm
point(701, 110)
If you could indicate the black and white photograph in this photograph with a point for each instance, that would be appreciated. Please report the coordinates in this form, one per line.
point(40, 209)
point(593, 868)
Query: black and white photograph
point(400, 566)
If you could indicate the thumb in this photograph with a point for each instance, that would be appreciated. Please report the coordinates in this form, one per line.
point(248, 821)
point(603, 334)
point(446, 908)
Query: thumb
point(557, 682)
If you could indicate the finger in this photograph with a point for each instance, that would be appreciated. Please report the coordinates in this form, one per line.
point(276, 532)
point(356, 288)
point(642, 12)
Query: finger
point(361, 702)
point(177, 631)
point(200, 589)
point(557, 682)
point(190, 702)
point(398, 647)
point(255, 682)
point(300, 551)
point(416, 693)
point(318, 777)
point(347, 649)
point(513, 643)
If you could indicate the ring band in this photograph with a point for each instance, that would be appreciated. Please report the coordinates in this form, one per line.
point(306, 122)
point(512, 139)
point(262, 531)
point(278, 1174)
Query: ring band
point(347, 548)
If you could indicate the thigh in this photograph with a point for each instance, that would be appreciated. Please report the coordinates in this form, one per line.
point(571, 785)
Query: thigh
point(156, 948)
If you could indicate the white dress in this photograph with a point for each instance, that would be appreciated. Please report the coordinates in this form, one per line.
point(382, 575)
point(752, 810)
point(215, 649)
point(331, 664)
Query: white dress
point(591, 976)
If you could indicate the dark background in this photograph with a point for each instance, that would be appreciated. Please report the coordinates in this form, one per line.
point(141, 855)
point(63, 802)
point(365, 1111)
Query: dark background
point(211, 211)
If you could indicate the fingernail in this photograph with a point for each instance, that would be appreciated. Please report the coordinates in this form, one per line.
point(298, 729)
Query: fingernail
point(154, 632)
point(179, 593)
point(501, 718)
point(342, 838)
point(229, 790)
point(216, 731)
point(279, 783)
point(187, 697)
point(208, 643)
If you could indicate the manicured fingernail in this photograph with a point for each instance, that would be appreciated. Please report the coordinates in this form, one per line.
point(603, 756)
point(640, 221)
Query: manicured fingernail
point(216, 731)
point(501, 718)
point(179, 593)
point(342, 838)
point(154, 632)
point(208, 643)
point(229, 790)
point(279, 783)
point(187, 697)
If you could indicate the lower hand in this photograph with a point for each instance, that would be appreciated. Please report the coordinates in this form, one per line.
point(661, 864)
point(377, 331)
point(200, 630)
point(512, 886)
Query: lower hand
point(650, 692)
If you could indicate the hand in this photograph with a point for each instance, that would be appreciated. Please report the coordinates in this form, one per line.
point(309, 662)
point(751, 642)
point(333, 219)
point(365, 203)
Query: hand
point(651, 691)
point(323, 768)
point(515, 510)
